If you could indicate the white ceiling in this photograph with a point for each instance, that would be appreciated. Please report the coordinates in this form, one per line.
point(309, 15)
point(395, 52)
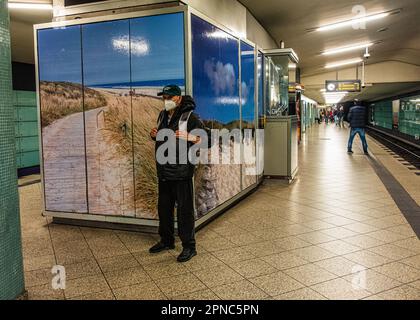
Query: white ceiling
point(21, 30)
point(290, 20)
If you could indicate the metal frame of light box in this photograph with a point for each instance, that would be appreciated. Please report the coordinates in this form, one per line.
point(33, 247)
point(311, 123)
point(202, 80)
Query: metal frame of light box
point(114, 220)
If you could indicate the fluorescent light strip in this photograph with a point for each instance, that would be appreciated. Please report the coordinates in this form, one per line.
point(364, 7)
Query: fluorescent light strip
point(33, 6)
point(343, 63)
point(346, 49)
point(353, 21)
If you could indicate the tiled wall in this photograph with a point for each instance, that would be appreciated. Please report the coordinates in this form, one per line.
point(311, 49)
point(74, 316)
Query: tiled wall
point(409, 117)
point(26, 129)
point(11, 266)
point(381, 114)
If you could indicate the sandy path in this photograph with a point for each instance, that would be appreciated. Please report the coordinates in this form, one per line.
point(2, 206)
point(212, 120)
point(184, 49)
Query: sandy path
point(109, 179)
point(110, 174)
point(64, 165)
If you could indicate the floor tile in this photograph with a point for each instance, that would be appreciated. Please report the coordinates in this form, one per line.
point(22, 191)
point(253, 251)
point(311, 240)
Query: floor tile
point(82, 269)
point(392, 252)
point(205, 294)
point(413, 261)
point(242, 290)
point(367, 258)
point(44, 292)
point(372, 281)
point(264, 248)
point(143, 291)
point(310, 274)
point(165, 269)
point(291, 243)
point(339, 232)
point(340, 289)
point(253, 268)
point(38, 277)
point(284, 260)
point(145, 258)
point(180, 284)
point(316, 237)
point(84, 286)
point(117, 263)
point(214, 277)
point(399, 271)
point(232, 255)
point(102, 295)
point(203, 261)
point(338, 266)
point(364, 241)
point(126, 277)
point(313, 253)
point(401, 293)
point(276, 283)
point(301, 294)
point(339, 247)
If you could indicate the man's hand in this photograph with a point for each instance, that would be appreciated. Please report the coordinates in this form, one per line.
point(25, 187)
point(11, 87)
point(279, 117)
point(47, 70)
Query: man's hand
point(188, 137)
point(153, 133)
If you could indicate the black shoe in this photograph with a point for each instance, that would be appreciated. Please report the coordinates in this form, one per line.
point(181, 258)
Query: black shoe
point(366, 153)
point(159, 247)
point(349, 151)
point(186, 254)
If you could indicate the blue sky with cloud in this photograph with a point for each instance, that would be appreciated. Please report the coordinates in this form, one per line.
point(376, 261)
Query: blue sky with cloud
point(215, 72)
point(157, 51)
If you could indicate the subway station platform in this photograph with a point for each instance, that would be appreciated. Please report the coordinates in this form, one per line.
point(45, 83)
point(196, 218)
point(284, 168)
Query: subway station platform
point(345, 229)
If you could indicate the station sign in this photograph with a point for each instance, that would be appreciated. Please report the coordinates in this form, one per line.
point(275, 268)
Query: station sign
point(343, 85)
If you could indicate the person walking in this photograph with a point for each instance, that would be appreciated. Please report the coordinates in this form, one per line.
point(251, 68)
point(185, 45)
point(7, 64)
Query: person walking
point(340, 116)
point(176, 180)
point(357, 121)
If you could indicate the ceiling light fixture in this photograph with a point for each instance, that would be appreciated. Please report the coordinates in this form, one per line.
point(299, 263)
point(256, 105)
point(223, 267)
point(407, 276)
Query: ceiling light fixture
point(32, 6)
point(347, 49)
point(350, 22)
point(343, 63)
point(334, 97)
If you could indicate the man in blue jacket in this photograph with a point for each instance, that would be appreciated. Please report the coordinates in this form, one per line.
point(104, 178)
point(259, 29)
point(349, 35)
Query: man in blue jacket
point(357, 120)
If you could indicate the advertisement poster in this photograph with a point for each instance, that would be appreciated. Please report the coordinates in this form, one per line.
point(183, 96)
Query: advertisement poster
point(108, 91)
point(215, 61)
point(61, 104)
point(261, 113)
point(157, 59)
point(248, 114)
point(106, 68)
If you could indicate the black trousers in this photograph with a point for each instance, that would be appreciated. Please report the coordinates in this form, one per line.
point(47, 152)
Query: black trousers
point(181, 193)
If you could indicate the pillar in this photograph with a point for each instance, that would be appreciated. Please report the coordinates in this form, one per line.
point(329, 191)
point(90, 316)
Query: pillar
point(11, 264)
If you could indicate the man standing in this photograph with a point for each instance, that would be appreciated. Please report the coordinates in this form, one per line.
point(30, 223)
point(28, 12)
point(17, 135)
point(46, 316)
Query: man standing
point(357, 120)
point(176, 179)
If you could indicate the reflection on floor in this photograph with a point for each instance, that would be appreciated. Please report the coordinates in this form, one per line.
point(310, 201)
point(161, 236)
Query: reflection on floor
point(335, 233)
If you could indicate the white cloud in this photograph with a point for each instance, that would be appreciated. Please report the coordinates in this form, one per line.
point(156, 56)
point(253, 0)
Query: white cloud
point(245, 92)
point(139, 46)
point(222, 77)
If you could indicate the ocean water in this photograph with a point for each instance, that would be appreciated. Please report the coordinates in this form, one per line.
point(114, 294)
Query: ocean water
point(154, 83)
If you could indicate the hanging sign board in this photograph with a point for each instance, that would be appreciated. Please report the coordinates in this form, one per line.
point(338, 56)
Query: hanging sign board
point(343, 85)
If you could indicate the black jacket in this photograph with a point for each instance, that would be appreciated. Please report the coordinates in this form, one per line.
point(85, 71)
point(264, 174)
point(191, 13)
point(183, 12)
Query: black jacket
point(178, 171)
point(357, 117)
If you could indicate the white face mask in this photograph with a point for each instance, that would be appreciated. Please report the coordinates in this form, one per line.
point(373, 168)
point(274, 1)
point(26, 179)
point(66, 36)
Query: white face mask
point(169, 105)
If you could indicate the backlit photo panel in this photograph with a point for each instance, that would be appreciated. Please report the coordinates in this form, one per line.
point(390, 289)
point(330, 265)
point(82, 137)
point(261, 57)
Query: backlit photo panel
point(61, 106)
point(248, 114)
point(108, 118)
point(215, 63)
point(157, 60)
point(260, 100)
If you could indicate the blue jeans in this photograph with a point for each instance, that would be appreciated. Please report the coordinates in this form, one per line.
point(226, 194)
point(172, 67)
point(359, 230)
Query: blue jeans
point(361, 132)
